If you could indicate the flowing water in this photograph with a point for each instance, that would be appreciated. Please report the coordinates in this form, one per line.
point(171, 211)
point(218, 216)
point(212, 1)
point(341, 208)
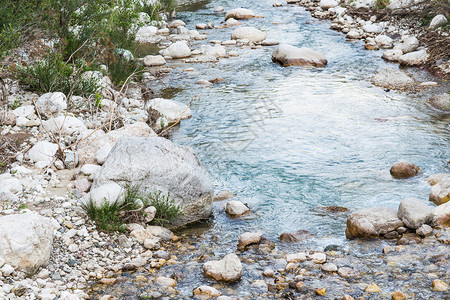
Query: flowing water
point(289, 140)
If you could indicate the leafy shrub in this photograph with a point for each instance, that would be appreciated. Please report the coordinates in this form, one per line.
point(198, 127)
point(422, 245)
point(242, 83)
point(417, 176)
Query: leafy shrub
point(381, 4)
point(52, 74)
point(120, 68)
point(166, 209)
point(10, 38)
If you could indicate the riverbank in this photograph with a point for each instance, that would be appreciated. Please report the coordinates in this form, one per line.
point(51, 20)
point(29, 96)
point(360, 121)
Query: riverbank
point(86, 263)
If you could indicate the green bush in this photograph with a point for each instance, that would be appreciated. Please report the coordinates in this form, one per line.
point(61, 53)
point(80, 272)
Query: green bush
point(381, 4)
point(166, 209)
point(120, 68)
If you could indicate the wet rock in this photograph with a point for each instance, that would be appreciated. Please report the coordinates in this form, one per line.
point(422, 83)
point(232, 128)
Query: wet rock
point(228, 269)
point(26, 240)
point(329, 267)
point(178, 49)
point(223, 195)
point(372, 28)
point(232, 22)
point(250, 33)
point(165, 281)
point(414, 213)
point(239, 13)
point(438, 21)
point(269, 272)
point(146, 34)
point(441, 102)
point(321, 291)
point(440, 192)
point(43, 151)
point(393, 79)
point(176, 24)
point(347, 297)
point(436, 178)
point(439, 285)
point(404, 170)
point(296, 257)
point(415, 58)
point(236, 208)
point(409, 239)
point(288, 55)
point(441, 214)
point(424, 230)
point(318, 258)
point(277, 4)
point(294, 237)
point(372, 222)
point(353, 35)
point(249, 238)
point(205, 292)
point(172, 110)
point(408, 44)
point(51, 104)
point(154, 60)
point(372, 288)
point(391, 235)
point(269, 43)
point(215, 51)
point(173, 169)
point(398, 295)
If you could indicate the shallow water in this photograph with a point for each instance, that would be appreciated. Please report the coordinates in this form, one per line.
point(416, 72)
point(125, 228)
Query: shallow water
point(289, 140)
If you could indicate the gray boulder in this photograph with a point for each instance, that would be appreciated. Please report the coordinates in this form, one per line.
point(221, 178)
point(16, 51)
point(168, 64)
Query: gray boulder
point(228, 269)
point(239, 13)
point(51, 104)
point(440, 192)
point(413, 58)
point(372, 222)
point(441, 102)
point(157, 164)
point(393, 79)
point(408, 44)
point(414, 213)
point(438, 21)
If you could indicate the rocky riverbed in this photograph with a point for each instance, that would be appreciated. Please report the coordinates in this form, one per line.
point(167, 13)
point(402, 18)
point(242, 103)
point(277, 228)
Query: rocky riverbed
point(57, 156)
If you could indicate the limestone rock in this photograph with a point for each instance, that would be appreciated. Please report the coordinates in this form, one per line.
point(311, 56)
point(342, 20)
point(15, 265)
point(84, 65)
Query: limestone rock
point(236, 208)
point(439, 285)
point(441, 214)
point(372, 222)
point(440, 192)
point(384, 41)
point(157, 164)
point(414, 58)
point(146, 34)
point(248, 238)
point(178, 49)
point(165, 281)
point(7, 196)
point(441, 102)
point(408, 44)
point(372, 28)
point(223, 195)
point(288, 55)
point(250, 33)
point(51, 104)
point(398, 295)
point(318, 258)
point(392, 55)
point(296, 257)
point(414, 213)
point(205, 292)
point(372, 288)
point(392, 78)
point(109, 192)
point(228, 269)
point(438, 21)
point(43, 151)
point(424, 230)
point(326, 4)
point(9, 183)
point(26, 240)
point(170, 109)
point(154, 60)
point(239, 13)
point(65, 125)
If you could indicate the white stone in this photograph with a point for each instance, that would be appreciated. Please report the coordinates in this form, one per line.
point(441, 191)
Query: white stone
point(236, 208)
point(7, 270)
point(296, 257)
point(43, 151)
point(65, 125)
point(205, 292)
point(384, 41)
point(248, 238)
point(170, 109)
point(441, 214)
point(89, 169)
point(239, 13)
point(288, 55)
point(146, 33)
point(7, 196)
point(414, 58)
point(250, 33)
point(372, 28)
point(102, 153)
point(154, 60)
point(326, 4)
point(440, 192)
point(408, 44)
point(319, 258)
point(26, 240)
point(109, 192)
point(219, 9)
point(392, 55)
point(414, 213)
point(228, 269)
point(438, 21)
point(24, 111)
point(232, 22)
point(176, 24)
point(216, 50)
point(392, 78)
point(51, 104)
point(178, 49)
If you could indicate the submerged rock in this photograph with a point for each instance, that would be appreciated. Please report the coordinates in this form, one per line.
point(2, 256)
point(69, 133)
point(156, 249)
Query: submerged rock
point(248, 238)
point(372, 222)
point(228, 269)
point(441, 102)
point(26, 240)
point(205, 292)
point(393, 79)
point(288, 55)
point(404, 170)
point(294, 237)
point(236, 208)
point(157, 164)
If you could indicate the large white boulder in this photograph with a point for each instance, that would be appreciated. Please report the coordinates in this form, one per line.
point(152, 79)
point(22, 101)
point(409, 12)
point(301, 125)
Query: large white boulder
point(43, 151)
point(216, 50)
point(154, 60)
point(146, 34)
point(414, 213)
point(110, 193)
point(51, 104)
point(65, 125)
point(408, 44)
point(250, 33)
point(392, 54)
point(228, 269)
point(170, 109)
point(26, 240)
point(326, 4)
point(384, 41)
point(178, 49)
point(157, 164)
point(372, 222)
point(93, 141)
point(288, 55)
point(239, 13)
point(413, 58)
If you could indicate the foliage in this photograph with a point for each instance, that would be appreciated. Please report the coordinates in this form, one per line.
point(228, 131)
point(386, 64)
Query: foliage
point(106, 217)
point(10, 38)
point(52, 74)
point(120, 68)
point(155, 9)
point(381, 4)
point(166, 209)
